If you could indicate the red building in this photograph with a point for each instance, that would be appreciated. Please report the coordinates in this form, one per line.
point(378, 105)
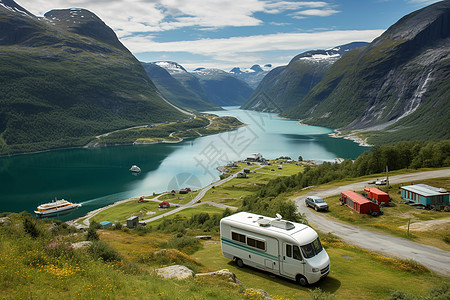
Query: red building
point(380, 197)
point(164, 204)
point(359, 203)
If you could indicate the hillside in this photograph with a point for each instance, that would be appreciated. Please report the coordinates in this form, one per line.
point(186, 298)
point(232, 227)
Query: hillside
point(173, 90)
point(65, 78)
point(221, 87)
point(397, 88)
point(285, 87)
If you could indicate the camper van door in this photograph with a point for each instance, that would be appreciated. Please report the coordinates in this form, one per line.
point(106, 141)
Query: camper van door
point(292, 262)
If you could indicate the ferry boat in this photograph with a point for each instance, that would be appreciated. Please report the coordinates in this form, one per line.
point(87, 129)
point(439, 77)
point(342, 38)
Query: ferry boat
point(55, 207)
point(135, 169)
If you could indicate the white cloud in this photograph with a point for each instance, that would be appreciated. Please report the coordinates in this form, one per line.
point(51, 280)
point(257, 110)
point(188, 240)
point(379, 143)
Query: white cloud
point(315, 12)
point(238, 49)
point(127, 17)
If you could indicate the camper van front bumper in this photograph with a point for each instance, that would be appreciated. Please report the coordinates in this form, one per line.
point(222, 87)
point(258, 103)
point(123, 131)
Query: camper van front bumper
point(324, 272)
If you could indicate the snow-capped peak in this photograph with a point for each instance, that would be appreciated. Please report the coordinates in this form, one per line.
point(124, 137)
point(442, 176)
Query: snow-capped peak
point(171, 67)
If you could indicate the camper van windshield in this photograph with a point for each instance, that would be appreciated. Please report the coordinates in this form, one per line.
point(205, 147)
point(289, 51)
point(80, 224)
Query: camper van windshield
point(312, 249)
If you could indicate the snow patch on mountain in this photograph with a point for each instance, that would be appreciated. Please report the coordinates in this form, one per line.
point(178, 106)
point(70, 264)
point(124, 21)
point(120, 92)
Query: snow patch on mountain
point(171, 67)
point(15, 9)
point(320, 57)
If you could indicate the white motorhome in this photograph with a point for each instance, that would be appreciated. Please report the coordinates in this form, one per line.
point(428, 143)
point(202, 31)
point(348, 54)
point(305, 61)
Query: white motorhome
point(284, 248)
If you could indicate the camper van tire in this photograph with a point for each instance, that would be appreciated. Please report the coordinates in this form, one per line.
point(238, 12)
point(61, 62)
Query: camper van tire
point(239, 262)
point(302, 280)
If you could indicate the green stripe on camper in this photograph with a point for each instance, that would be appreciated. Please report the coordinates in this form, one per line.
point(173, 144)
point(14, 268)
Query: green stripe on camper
point(249, 249)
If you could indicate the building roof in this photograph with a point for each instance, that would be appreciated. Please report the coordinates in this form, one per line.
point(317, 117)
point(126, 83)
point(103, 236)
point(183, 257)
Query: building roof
point(105, 223)
point(425, 190)
point(375, 191)
point(356, 197)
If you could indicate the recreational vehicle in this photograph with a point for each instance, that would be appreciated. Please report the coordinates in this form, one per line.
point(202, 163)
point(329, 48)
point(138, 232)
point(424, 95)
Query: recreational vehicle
point(284, 248)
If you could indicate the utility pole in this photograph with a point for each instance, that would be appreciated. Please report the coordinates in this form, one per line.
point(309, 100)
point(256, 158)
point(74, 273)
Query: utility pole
point(387, 176)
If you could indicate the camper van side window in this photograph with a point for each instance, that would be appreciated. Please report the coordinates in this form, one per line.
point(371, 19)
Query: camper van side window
point(289, 250)
point(238, 237)
point(256, 244)
point(297, 254)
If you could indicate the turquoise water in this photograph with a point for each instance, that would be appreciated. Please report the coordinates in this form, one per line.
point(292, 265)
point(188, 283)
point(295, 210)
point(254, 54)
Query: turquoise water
point(98, 177)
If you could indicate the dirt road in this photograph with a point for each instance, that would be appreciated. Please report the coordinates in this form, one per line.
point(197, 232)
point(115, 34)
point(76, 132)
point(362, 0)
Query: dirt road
point(433, 258)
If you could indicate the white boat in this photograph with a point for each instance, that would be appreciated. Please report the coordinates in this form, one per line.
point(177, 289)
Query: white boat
point(55, 207)
point(135, 169)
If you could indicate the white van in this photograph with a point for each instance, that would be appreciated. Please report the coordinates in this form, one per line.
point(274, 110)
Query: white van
point(288, 249)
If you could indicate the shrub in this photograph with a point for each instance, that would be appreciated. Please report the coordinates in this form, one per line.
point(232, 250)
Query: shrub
point(101, 250)
point(92, 235)
point(318, 294)
point(30, 227)
point(184, 243)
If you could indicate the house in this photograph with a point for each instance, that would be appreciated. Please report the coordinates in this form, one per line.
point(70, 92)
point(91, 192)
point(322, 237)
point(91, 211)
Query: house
point(184, 191)
point(425, 195)
point(241, 175)
point(132, 222)
point(377, 195)
point(106, 224)
point(247, 170)
point(359, 203)
point(254, 157)
point(164, 204)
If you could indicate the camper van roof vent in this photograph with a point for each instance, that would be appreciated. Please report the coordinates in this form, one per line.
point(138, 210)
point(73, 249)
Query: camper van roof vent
point(263, 222)
point(282, 224)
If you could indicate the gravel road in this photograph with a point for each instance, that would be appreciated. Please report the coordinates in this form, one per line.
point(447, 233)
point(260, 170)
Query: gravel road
point(433, 258)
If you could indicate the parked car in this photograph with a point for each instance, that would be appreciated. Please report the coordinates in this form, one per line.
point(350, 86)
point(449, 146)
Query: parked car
point(382, 181)
point(316, 202)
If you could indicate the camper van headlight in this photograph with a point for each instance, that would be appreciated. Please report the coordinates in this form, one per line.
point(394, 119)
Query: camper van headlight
point(315, 269)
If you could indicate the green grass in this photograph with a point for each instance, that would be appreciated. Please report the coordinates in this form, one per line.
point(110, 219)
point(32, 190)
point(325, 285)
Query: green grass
point(188, 212)
point(128, 209)
point(355, 274)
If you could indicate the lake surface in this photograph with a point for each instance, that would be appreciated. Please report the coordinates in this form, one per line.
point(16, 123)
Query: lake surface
point(101, 176)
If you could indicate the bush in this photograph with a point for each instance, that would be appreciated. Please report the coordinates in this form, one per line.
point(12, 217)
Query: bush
point(30, 227)
point(92, 235)
point(101, 250)
point(318, 294)
point(186, 244)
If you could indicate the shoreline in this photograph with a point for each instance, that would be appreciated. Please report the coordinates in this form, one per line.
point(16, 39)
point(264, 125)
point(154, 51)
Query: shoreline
point(350, 136)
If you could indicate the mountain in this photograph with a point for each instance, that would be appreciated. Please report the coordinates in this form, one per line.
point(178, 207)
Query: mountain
point(221, 87)
point(252, 76)
point(173, 90)
point(65, 78)
point(212, 85)
point(285, 87)
point(397, 88)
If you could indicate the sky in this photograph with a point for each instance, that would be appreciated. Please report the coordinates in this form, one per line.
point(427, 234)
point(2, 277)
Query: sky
point(236, 33)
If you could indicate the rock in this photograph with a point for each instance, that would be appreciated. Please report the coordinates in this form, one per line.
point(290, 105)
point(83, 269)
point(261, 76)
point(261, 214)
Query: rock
point(81, 245)
point(5, 220)
point(224, 273)
point(175, 272)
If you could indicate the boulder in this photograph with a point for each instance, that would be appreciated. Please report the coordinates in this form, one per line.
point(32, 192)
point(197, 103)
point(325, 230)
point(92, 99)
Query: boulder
point(5, 220)
point(81, 245)
point(175, 272)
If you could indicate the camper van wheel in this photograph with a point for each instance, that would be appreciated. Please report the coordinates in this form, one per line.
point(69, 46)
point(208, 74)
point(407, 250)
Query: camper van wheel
point(239, 262)
point(302, 280)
